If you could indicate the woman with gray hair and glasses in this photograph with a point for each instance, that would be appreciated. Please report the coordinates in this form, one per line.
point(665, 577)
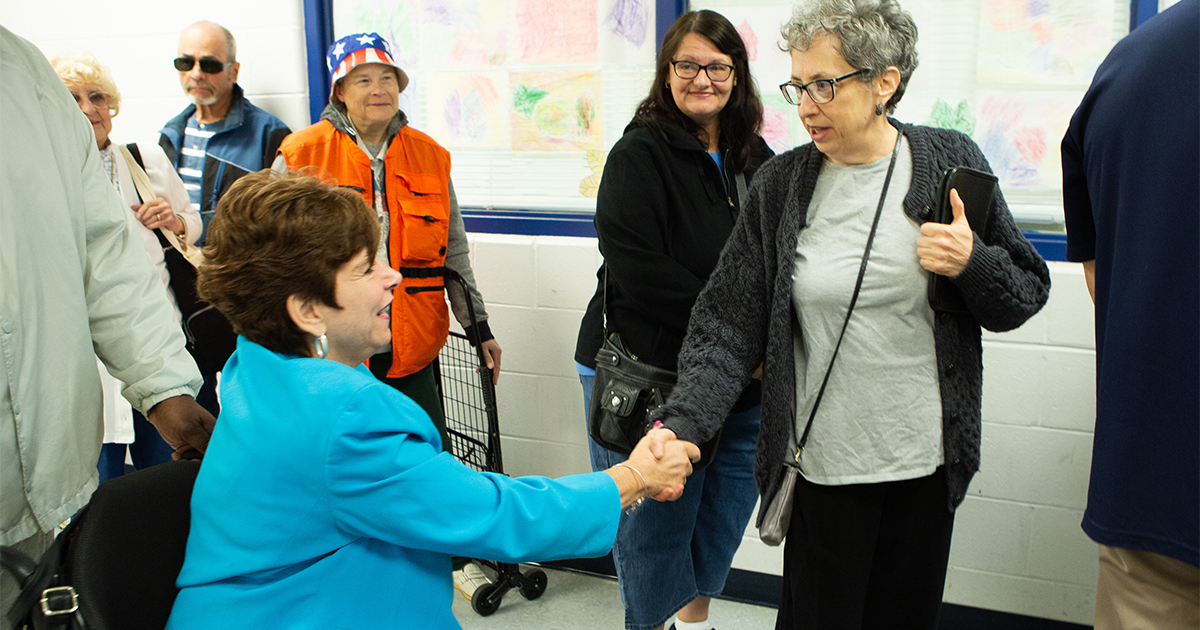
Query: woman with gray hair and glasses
point(896, 439)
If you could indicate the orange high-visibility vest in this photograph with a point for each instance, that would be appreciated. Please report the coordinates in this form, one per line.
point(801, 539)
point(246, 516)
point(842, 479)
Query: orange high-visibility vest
point(417, 187)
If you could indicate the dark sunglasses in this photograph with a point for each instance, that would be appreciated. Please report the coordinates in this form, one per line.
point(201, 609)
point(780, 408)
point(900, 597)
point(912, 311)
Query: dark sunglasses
point(207, 65)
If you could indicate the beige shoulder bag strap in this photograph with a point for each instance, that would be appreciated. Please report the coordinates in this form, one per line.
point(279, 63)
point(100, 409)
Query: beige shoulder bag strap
point(141, 181)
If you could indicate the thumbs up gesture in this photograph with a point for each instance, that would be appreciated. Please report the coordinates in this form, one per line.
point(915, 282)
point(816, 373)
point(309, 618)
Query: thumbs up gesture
point(945, 248)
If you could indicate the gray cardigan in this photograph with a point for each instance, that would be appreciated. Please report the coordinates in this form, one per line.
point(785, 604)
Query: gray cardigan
point(744, 315)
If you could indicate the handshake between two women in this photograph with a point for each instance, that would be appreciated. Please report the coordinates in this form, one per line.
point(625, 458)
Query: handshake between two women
point(657, 468)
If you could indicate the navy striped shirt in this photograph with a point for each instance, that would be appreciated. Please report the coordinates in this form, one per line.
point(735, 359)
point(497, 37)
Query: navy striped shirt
point(191, 164)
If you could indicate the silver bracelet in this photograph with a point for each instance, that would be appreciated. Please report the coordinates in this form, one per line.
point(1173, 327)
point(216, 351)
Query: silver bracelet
point(645, 491)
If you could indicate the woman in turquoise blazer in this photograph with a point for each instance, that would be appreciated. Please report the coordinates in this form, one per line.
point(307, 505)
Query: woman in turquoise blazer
point(324, 499)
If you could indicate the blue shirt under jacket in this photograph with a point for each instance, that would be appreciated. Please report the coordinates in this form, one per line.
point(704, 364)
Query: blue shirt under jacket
point(325, 501)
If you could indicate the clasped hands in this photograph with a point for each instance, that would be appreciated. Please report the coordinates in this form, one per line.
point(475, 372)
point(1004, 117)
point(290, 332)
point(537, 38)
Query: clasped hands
point(662, 464)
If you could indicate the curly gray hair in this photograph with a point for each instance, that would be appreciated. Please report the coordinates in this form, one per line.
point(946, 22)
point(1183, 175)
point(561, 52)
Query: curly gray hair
point(873, 34)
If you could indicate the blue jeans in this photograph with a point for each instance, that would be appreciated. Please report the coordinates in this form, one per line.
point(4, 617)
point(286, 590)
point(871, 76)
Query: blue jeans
point(669, 553)
point(148, 449)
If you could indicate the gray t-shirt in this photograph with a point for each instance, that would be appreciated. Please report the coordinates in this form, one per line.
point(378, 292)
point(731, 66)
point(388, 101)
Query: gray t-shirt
point(880, 419)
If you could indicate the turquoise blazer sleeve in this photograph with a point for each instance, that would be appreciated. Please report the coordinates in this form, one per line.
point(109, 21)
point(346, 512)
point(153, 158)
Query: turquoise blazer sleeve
point(389, 483)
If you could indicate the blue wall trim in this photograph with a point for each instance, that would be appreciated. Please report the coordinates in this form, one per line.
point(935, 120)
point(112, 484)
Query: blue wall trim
point(529, 223)
point(318, 35)
point(1140, 11)
point(1050, 246)
point(665, 14)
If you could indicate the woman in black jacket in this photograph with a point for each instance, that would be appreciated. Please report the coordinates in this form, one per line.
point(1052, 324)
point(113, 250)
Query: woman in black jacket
point(667, 202)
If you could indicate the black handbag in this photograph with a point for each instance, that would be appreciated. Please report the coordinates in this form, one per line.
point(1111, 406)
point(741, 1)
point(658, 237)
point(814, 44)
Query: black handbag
point(210, 336)
point(114, 566)
point(47, 600)
point(626, 392)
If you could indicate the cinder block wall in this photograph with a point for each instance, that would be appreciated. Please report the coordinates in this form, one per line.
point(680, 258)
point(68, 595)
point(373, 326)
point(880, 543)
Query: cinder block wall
point(1017, 542)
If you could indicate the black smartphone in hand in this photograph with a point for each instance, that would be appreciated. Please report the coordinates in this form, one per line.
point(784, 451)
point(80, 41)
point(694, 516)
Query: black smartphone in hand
point(977, 189)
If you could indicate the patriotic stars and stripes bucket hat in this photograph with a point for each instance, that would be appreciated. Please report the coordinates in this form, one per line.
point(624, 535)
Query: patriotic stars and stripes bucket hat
point(359, 48)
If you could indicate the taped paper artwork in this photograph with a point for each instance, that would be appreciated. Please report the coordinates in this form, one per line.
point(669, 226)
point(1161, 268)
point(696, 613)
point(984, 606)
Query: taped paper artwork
point(465, 33)
point(555, 31)
point(1043, 41)
point(555, 111)
point(469, 110)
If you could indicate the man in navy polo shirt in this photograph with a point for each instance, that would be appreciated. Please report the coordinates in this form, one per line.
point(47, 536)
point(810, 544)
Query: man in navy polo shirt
point(1131, 185)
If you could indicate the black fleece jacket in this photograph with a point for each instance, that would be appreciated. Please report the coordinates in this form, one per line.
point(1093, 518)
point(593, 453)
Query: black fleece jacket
point(663, 213)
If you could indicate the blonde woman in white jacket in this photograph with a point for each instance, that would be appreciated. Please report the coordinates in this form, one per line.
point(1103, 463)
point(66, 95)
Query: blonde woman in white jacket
point(96, 93)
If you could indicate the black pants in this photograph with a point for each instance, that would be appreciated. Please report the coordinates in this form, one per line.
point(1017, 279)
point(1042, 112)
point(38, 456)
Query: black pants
point(866, 556)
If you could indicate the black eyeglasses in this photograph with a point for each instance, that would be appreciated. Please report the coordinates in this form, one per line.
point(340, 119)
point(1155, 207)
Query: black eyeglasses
point(99, 100)
point(208, 65)
point(820, 91)
point(690, 70)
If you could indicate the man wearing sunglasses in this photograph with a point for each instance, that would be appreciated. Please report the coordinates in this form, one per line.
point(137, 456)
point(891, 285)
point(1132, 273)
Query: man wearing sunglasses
point(212, 143)
point(221, 136)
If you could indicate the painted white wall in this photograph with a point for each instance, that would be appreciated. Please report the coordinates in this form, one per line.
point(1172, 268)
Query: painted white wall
point(137, 39)
point(1017, 544)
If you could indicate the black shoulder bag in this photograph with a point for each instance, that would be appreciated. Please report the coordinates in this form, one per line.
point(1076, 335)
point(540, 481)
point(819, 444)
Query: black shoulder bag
point(625, 393)
point(210, 337)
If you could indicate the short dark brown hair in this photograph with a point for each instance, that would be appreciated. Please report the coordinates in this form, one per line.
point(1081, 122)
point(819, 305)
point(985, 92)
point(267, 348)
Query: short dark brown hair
point(275, 235)
point(741, 118)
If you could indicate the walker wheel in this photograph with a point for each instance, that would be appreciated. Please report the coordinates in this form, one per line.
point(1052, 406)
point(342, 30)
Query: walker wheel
point(535, 584)
point(486, 600)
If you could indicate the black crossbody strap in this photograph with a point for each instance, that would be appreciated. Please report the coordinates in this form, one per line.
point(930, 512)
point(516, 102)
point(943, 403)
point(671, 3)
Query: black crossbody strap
point(604, 301)
point(136, 153)
point(862, 269)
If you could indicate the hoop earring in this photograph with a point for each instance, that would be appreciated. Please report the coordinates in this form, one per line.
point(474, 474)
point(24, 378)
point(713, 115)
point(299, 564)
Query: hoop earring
point(878, 109)
point(322, 346)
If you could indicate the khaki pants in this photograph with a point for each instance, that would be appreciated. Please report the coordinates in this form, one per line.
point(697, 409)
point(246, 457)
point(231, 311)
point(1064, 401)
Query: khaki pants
point(1142, 590)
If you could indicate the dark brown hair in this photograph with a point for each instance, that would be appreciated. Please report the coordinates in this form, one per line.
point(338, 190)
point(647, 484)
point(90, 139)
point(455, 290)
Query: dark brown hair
point(742, 116)
point(275, 235)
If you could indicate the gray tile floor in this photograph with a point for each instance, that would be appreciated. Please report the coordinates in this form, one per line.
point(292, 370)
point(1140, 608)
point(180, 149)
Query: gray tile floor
point(576, 600)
